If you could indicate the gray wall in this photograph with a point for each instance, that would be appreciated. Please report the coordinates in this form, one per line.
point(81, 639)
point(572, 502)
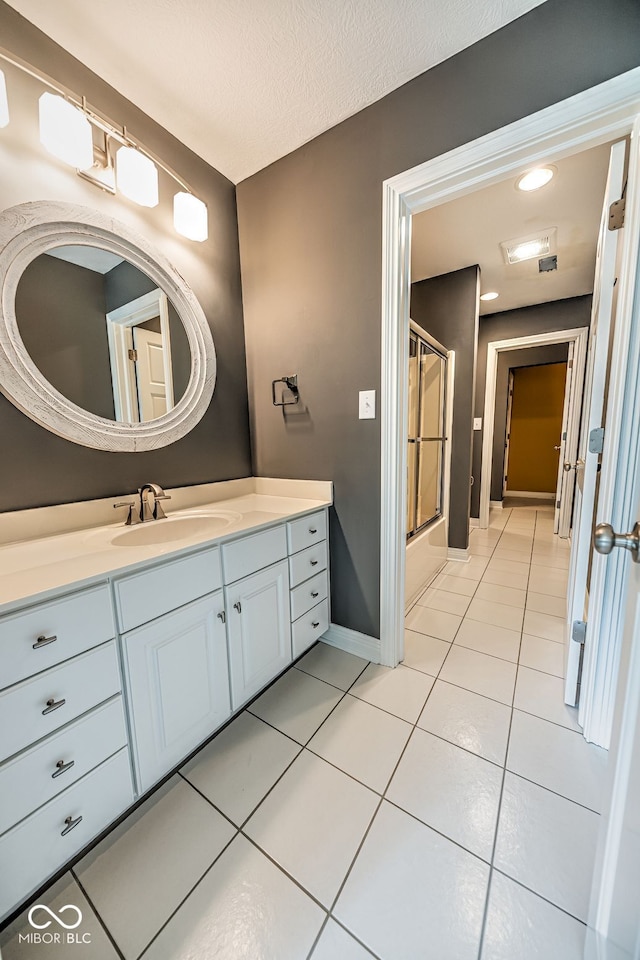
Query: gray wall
point(38, 467)
point(310, 238)
point(541, 318)
point(511, 360)
point(447, 308)
point(60, 309)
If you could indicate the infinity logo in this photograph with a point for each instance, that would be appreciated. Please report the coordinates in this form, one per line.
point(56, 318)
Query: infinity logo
point(47, 923)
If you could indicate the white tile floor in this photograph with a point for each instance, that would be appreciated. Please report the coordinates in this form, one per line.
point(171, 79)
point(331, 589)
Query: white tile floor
point(446, 809)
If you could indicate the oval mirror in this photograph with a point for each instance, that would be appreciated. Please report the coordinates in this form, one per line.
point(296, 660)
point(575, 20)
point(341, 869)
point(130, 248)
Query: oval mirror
point(101, 340)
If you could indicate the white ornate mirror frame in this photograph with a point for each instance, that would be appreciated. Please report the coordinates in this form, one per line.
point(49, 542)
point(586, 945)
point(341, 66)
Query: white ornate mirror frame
point(30, 229)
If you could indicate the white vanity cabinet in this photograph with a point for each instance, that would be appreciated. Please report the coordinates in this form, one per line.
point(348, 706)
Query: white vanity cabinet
point(177, 685)
point(309, 575)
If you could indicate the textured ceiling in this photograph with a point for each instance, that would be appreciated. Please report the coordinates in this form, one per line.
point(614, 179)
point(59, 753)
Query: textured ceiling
point(244, 82)
point(469, 230)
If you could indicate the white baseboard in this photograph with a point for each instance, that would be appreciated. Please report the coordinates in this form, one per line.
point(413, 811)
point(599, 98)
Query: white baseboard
point(359, 644)
point(529, 494)
point(474, 522)
point(457, 553)
point(496, 504)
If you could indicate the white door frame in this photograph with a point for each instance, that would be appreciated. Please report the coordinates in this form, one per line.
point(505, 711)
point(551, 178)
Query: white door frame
point(590, 118)
point(579, 337)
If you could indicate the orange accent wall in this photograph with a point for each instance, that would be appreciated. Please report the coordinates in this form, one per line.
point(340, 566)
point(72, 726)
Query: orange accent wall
point(536, 427)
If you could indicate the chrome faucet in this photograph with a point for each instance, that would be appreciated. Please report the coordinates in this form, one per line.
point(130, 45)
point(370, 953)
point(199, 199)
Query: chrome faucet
point(147, 512)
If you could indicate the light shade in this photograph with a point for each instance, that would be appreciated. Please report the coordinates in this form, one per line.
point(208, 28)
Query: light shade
point(4, 103)
point(137, 177)
point(190, 216)
point(490, 295)
point(534, 179)
point(65, 131)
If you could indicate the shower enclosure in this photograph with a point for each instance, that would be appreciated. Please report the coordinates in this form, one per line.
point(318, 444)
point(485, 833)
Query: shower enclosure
point(425, 456)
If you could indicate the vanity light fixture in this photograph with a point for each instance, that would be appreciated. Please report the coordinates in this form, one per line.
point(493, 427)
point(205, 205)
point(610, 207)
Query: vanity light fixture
point(137, 177)
point(81, 137)
point(190, 217)
point(65, 131)
point(491, 295)
point(4, 102)
point(535, 179)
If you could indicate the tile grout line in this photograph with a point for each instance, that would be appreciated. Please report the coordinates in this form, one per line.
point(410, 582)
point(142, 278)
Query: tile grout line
point(93, 906)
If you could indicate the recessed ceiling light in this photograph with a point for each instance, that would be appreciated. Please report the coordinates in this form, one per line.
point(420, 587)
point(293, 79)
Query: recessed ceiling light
point(492, 295)
point(534, 179)
point(531, 247)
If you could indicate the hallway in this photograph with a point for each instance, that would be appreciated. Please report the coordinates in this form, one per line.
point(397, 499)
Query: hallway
point(445, 810)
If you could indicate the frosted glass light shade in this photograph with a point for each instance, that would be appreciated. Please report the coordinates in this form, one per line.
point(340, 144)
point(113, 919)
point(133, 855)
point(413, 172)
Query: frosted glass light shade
point(65, 131)
point(4, 103)
point(190, 217)
point(137, 177)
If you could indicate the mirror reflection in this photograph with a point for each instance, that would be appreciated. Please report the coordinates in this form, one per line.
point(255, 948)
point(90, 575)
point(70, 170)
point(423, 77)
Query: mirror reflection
point(103, 333)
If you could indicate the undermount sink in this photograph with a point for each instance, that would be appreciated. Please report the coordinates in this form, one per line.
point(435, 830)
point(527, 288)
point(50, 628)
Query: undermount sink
point(176, 528)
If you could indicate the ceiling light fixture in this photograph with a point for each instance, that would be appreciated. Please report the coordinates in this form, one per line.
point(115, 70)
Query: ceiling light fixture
point(65, 131)
point(491, 295)
point(137, 177)
point(529, 248)
point(535, 179)
point(190, 217)
point(4, 102)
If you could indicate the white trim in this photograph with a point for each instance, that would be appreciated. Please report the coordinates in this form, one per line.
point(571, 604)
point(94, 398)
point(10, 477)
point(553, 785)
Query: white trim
point(494, 505)
point(457, 553)
point(30, 229)
point(528, 495)
point(580, 337)
point(359, 644)
point(592, 117)
point(474, 522)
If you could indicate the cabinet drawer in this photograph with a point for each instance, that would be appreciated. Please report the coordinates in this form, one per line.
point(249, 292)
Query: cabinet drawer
point(38, 638)
point(306, 531)
point(309, 594)
point(39, 774)
point(36, 848)
point(307, 563)
point(310, 628)
point(250, 554)
point(146, 595)
point(80, 684)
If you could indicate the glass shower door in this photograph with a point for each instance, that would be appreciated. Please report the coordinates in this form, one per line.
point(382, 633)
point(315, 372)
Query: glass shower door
point(427, 372)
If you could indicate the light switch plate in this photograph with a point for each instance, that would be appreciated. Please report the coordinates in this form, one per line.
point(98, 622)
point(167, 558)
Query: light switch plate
point(367, 405)
point(477, 423)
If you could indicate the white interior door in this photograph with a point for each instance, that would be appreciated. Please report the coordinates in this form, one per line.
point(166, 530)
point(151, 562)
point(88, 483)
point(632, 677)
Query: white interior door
point(150, 373)
point(588, 455)
point(568, 441)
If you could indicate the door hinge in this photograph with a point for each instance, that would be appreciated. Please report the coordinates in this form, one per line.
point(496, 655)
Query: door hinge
point(557, 504)
point(616, 214)
point(596, 440)
point(570, 364)
point(564, 435)
point(578, 631)
point(133, 355)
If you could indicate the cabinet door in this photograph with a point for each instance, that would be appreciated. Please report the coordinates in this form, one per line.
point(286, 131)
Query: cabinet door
point(259, 630)
point(178, 685)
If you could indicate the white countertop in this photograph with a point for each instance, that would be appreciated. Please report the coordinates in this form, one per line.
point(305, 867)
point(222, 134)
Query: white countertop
point(34, 568)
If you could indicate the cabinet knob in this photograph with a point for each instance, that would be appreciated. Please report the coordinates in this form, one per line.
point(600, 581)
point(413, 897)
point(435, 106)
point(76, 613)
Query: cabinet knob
point(43, 641)
point(62, 767)
point(53, 704)
point(314, 563)
point(71, 824)
point(315, 624)
point(313, 529)
point(222, 616)
point(315, 593)
point(238, 606)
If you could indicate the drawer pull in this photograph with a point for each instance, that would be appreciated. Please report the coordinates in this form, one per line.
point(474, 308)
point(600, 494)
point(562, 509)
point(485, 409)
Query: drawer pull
point(43, 641)
point(62, 767)
point(315, 624)
point(238, 606)
point(222, 616)
point(313, 530)
point(53, 704)
point(315, 593)
point(314, 563)
point(71, 824)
